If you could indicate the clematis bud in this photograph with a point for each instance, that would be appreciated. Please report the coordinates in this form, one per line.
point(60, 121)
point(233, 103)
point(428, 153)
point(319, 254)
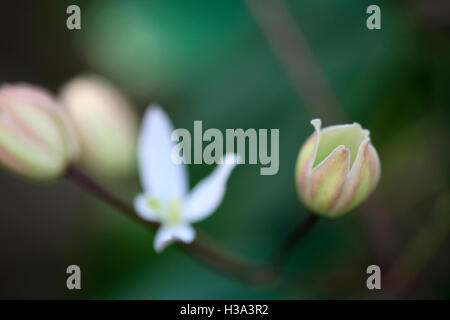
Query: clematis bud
point(337, 168)
point(36, 139)
point(105, 124)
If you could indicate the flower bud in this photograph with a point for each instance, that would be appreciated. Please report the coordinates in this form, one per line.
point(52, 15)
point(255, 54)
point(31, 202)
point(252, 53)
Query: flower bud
point(337, 168)
point(36, 140)
point(105, 124)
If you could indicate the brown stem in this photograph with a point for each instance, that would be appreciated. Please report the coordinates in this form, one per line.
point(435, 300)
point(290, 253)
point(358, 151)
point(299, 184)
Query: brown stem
point(295, 55)
point(86, 182)
point(216, 258)
point(307, 77)
point(211, 256)
point(284, 251)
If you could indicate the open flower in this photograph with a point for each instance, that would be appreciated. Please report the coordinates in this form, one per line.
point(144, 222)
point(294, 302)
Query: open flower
point(337, 168)
point(166, 199)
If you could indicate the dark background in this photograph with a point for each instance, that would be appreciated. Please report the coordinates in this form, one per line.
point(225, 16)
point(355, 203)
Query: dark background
point(236, 64)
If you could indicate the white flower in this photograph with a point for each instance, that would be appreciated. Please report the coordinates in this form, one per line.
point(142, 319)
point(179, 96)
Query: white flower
point(166, 199)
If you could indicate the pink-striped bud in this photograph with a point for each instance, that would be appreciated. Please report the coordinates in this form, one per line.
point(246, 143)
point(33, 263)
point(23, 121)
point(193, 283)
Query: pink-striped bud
point(337, 168)
point(36, 140)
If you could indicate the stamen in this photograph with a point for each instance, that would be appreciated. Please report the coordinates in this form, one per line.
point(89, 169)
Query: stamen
point(173, 216)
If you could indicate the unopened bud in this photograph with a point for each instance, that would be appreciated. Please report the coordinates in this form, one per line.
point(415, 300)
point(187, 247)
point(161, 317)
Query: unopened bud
point(36, 139)
point(337, 168)
point(105, 123)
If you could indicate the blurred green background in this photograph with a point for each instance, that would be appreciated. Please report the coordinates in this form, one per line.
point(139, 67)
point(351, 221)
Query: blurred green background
point(237, 64)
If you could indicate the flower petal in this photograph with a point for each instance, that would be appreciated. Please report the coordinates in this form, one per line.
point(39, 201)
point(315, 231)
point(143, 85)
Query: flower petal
point(143, 208)
point(167, 235)
point(21, 154)
point(306, 157)
point(362, 178)
point(207, 195)
point(327, 180)
point(159, 175)
point(163, 238)
point(349, 135)
point(183, 233)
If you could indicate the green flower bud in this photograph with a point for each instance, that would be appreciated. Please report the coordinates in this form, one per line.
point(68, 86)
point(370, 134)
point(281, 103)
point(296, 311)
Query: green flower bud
point(36, 139)
point(105, 124)
point(337, 168)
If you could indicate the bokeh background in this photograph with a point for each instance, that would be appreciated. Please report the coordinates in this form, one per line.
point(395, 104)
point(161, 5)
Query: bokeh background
point(243, 64)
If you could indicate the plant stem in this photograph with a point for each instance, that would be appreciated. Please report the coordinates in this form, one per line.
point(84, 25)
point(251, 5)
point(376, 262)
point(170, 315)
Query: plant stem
point(211, 256)
point(87, 183)
point(204, 248)
point(284, 251)
point(295, 55)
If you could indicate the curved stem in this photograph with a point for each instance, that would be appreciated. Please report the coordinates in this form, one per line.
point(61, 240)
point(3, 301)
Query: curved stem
point(297, 58)
point(204, 248)
point(284, 251)
point(211, 255)
point(86, 182)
